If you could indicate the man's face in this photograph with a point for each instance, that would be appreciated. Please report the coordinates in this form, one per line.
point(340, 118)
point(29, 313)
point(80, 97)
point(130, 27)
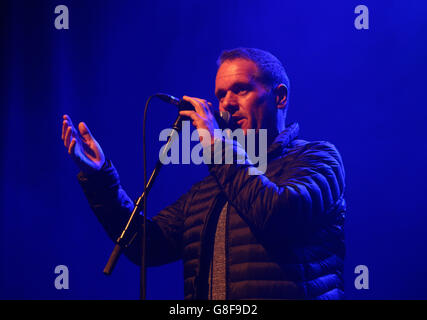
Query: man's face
point(250, 102)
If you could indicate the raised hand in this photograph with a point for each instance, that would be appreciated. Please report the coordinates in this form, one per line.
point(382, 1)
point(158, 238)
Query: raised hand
point(82, 147)
point(203, 119)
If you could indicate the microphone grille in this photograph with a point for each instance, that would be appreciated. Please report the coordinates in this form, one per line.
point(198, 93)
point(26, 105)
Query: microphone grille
point(168, 98)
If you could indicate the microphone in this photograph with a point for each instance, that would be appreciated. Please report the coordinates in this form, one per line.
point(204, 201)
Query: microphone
point(223, 117)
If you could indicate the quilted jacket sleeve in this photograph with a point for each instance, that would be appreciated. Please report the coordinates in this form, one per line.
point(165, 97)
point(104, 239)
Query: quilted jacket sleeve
point(113, 207)
point(311, 185)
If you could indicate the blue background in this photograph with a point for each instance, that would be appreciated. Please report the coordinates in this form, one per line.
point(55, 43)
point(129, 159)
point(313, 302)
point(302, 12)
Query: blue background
point(363, 90)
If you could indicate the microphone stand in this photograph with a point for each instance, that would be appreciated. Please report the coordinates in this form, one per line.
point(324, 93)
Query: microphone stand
point(124, 240)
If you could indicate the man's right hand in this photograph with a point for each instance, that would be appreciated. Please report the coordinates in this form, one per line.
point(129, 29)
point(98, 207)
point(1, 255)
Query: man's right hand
point(82, 147)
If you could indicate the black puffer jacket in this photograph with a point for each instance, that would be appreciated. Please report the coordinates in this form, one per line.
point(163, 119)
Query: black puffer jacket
point(284, 238)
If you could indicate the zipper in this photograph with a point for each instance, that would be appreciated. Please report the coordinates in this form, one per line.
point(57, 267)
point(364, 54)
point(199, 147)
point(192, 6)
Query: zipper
point(219, 198)
point(226, 243)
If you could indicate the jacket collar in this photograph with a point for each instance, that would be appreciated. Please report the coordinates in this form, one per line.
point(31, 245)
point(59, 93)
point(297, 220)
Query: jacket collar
point(284, 138)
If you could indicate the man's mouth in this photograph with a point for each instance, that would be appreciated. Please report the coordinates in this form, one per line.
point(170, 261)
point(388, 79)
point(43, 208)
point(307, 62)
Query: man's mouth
point(238, 120)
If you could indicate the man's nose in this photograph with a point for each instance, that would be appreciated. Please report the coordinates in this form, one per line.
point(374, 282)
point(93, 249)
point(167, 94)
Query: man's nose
point(230, 102)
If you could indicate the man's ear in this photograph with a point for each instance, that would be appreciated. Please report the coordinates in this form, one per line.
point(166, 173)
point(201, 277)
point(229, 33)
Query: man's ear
point(281, 93)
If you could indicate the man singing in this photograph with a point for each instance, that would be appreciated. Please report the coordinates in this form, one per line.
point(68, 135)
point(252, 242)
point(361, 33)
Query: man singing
point(275, 235)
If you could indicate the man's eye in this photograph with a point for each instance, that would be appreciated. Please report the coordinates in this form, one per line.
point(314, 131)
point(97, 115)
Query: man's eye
point(220, 96)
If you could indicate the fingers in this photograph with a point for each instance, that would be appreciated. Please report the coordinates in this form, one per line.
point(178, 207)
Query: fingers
point(192, 115)
point(67, 137)
point(66, 123)
point(64, 128)
point(203, 117)
point(188, 113)
point(72, 147)
point(85, 132)
point(202, 106)
point(69, 132)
